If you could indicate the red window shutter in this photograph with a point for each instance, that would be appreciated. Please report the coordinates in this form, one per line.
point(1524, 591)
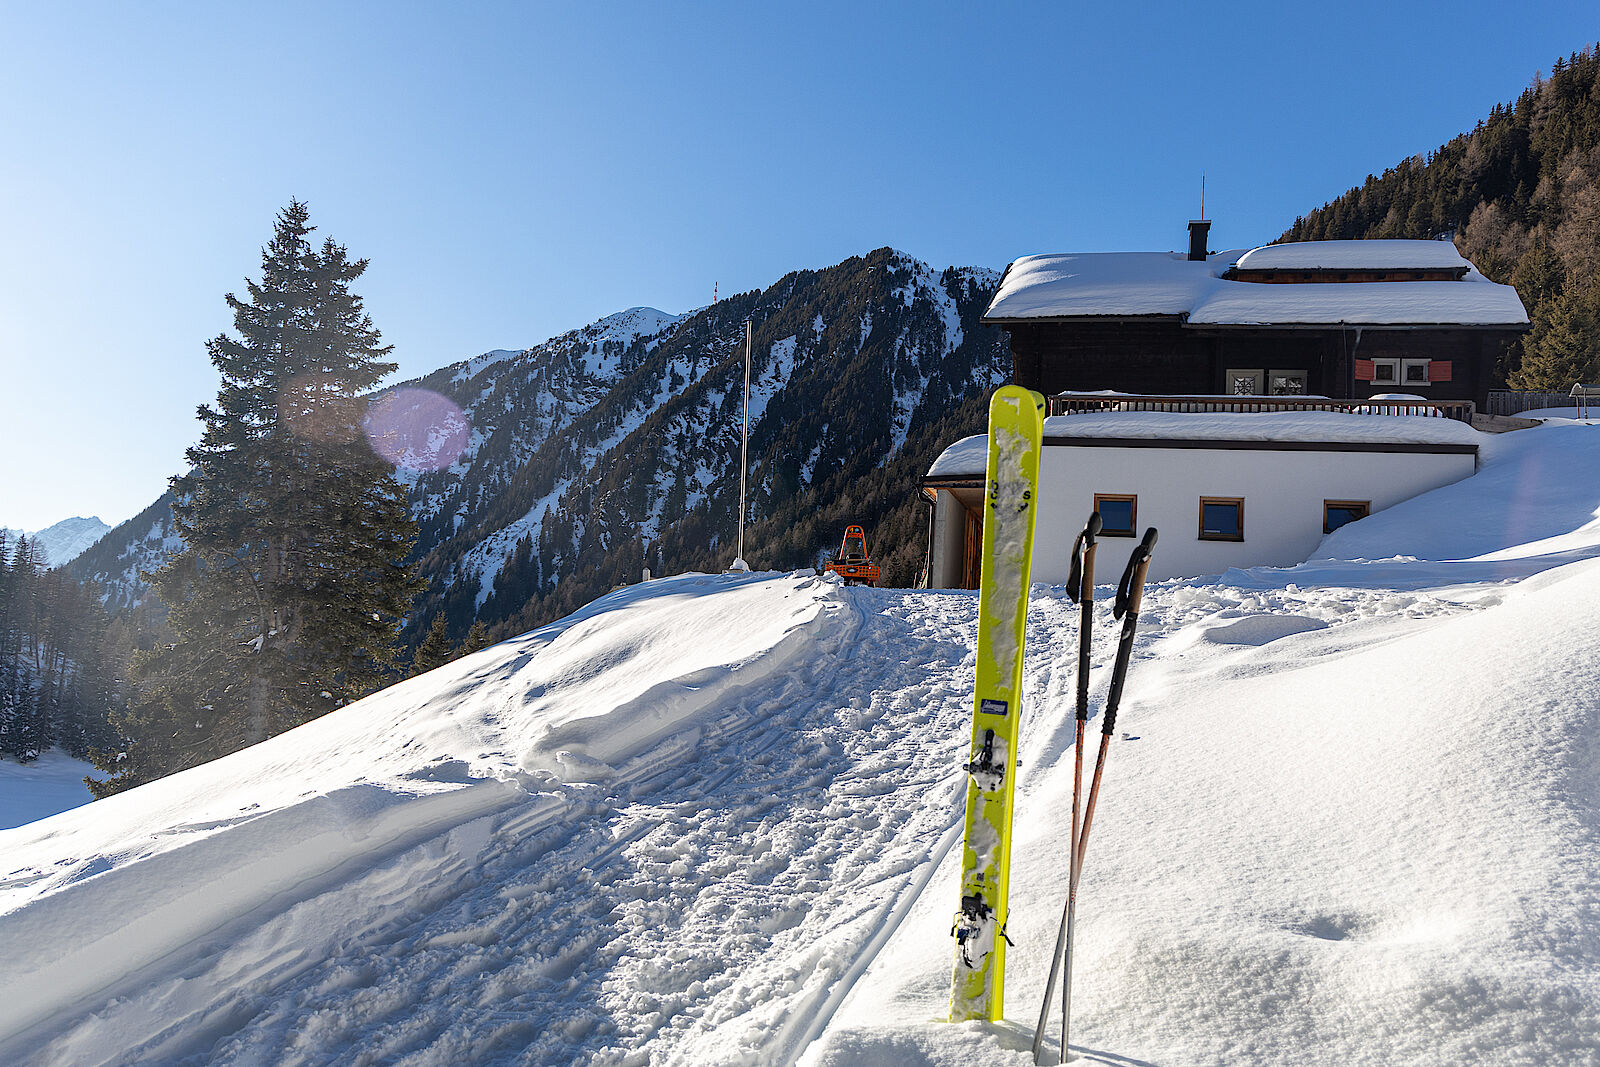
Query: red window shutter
point(1439, 370)
point(1365, 371)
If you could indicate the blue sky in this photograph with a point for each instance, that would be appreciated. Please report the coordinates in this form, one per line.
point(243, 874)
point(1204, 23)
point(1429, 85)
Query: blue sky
point(516, 170)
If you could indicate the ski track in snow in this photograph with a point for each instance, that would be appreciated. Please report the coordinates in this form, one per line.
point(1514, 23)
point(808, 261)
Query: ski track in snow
point(713, 909)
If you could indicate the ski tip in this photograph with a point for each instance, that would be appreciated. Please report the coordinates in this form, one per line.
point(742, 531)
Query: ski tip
point(1023, 404)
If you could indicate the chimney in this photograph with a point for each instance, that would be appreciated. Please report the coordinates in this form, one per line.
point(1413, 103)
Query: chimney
point(1198, 229)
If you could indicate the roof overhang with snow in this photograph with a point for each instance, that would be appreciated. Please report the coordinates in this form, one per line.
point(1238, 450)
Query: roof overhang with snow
point(1102, 286)
point(1281, 431)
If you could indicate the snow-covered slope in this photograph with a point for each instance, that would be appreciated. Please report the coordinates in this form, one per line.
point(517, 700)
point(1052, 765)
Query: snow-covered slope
point(1351, 818)
point(50, 784)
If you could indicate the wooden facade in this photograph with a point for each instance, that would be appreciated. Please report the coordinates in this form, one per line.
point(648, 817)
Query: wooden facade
point(1164, 354)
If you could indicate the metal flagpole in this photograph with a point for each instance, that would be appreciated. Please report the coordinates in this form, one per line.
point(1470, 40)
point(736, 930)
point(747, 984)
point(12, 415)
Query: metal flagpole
point(744, 444)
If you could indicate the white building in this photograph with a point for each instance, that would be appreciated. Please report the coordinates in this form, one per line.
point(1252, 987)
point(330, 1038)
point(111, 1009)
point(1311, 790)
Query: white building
point(1224, 489)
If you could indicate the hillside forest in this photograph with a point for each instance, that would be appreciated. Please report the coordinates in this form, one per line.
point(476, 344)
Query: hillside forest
point(1521, 193)
point(62, 660)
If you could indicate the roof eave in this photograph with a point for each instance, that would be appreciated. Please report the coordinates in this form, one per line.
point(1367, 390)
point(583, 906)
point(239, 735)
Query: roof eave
point(1013, 320)
point(1518, 327)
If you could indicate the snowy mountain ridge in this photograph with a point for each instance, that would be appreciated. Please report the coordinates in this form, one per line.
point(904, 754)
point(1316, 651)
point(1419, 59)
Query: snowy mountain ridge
point(615, 447)
point(712, 819)
point(65, 541)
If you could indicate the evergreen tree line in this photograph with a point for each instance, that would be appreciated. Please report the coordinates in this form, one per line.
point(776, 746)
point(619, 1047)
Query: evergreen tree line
point(61, 660)
point(1521, 193)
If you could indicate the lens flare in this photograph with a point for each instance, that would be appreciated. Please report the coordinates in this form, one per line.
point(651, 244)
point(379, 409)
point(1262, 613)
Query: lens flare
point(417, 429)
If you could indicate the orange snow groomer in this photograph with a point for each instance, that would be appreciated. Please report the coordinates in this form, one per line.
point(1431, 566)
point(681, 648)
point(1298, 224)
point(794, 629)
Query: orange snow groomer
point(852, 563)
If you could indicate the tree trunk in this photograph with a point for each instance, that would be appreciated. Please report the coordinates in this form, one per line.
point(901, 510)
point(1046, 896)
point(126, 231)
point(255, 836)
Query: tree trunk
point(256, 725)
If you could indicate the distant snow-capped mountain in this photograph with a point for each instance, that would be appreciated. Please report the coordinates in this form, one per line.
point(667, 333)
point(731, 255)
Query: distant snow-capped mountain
point(65, 541)
point(574, 464)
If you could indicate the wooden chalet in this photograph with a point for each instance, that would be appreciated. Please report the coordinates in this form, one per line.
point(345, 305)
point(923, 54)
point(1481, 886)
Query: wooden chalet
point(1344, 319)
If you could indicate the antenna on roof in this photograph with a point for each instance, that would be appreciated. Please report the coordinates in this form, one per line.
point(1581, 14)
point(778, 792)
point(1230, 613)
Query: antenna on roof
point(1202, 196)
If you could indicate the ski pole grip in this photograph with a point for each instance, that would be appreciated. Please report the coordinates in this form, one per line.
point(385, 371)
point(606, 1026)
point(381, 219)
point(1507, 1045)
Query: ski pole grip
point(1091, 529)
point(1081, 570)
point(1087, 577)
point(1140, 569)
point(1130, 590)
point(1075, 570)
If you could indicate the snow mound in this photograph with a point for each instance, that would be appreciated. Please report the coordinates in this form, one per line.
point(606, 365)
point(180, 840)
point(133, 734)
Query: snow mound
point(1260, 629)
point(1299, 866)
point(93, 901)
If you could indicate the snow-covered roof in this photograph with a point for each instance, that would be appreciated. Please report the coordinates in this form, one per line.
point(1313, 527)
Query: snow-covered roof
point(1106, 283)
point(1119, 284)
point(968, 456)
point(1472, 301)
point(1354, 255)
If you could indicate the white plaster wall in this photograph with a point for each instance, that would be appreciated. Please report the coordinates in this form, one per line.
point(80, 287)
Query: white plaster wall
point(1283, 494)
point(949, 523)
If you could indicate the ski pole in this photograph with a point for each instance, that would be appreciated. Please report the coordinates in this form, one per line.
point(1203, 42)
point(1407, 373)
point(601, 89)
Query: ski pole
point(1130, 592)
point(1080, 589)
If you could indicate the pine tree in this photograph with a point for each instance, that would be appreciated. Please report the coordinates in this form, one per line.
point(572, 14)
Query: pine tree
point(1563, 347)
point(435, 650)
point(477, 638)
point(286, 599)
point(8, 662)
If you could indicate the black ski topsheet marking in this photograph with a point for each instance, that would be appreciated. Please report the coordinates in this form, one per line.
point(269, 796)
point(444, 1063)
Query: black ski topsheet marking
point(994, 707)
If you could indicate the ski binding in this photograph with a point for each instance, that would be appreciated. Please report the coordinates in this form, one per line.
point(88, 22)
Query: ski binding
point(988, 768)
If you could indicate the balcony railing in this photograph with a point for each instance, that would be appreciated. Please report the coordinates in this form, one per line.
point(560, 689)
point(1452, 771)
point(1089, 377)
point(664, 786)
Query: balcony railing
point(1516, 401)
point(1085, 403)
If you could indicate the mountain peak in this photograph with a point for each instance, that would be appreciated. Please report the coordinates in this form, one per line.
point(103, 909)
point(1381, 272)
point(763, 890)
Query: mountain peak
point(66, 540)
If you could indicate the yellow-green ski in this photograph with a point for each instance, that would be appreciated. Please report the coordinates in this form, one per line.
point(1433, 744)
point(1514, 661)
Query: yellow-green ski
point(1016, 426)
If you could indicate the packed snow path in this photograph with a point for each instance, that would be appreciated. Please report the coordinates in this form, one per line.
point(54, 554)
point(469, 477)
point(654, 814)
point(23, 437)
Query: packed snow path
point(709, 909)
point(708, 901)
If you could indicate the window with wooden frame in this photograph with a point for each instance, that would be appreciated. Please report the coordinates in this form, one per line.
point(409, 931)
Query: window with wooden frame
point(1222, 518)
point(1404, 371)
point(1386, 372)
point(1337, 513)
point(1119, 514)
